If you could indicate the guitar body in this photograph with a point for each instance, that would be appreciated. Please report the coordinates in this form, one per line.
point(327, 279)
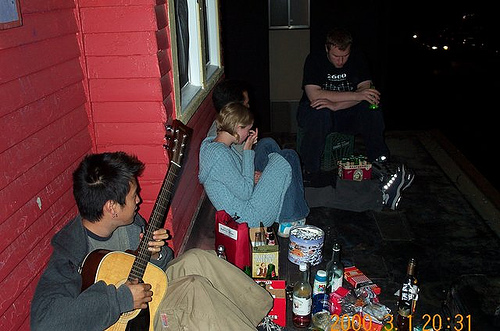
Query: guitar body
point(113, 267)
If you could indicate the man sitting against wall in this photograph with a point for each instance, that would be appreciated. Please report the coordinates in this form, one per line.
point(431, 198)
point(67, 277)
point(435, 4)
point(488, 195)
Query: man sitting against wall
point(203, 292)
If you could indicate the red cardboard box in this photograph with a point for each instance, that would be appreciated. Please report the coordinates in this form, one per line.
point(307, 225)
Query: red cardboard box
point(277, 290)
point(358, 279)
point(358, 171)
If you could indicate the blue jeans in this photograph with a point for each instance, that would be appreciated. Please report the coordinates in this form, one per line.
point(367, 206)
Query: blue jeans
point(294, 204)
point(318, 123)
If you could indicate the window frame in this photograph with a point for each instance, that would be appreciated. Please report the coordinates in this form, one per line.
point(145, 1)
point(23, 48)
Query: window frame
point(11, 18)
point(203, 73)
point(290, 6)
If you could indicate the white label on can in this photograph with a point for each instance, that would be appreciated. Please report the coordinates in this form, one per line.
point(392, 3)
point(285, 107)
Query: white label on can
point(301, 306)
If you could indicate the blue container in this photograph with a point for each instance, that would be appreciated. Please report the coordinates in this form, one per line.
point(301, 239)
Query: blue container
point(320, 303)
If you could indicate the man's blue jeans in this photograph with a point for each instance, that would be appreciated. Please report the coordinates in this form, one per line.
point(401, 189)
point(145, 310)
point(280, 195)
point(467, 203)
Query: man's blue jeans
point(318, 123)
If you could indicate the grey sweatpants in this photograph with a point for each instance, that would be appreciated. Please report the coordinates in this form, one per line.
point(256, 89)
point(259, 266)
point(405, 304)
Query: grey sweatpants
point(207, 293)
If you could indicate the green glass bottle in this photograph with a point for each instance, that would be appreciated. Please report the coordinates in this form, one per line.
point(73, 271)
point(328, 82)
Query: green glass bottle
point(373, 106)
point(271, 272)
point(335, 270)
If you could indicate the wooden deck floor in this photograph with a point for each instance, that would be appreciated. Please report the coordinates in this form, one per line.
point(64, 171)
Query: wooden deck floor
point(441, 222)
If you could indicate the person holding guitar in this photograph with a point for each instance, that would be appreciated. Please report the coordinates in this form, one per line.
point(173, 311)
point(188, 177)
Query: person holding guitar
point(106, 190)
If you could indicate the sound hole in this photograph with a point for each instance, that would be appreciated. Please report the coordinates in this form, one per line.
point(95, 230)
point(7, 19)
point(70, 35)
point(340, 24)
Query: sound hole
point(140, 322)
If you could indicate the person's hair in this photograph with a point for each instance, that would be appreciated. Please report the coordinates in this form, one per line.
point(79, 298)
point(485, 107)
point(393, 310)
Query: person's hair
point(338, 37)
point(103, 177)
point(227, 91)
point(231, 116)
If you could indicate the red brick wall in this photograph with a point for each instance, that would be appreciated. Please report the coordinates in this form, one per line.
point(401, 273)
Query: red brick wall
point(74, 80)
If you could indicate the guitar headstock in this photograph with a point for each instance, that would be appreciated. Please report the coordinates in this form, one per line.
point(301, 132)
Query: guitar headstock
point(177, 137)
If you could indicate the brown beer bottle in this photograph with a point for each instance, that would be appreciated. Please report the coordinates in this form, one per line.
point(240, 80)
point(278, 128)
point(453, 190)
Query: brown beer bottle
point(408, 296)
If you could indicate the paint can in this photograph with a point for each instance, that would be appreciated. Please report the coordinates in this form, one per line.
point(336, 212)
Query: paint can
point(306, 244)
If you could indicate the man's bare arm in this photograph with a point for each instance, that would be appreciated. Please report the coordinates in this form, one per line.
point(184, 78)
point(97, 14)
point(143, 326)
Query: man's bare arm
point(335, 100)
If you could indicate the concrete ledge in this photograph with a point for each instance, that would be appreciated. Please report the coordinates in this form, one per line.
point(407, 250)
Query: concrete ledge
point(470, 182)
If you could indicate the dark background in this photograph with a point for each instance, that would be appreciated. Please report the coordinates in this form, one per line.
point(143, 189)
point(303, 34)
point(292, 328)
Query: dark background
point(453, 91)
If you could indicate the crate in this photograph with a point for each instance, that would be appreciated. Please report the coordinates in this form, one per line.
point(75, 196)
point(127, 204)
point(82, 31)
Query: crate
point(337, 146)
point(264, 255)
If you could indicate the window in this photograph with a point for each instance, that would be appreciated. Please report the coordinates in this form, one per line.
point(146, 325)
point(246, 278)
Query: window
point(10, 14)
point(197, 61)
point(288, 14)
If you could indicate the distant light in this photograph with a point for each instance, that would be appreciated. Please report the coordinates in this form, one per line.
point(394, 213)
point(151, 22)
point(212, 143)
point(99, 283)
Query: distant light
point(415, 36)
point(434, 47)
point(445, 47)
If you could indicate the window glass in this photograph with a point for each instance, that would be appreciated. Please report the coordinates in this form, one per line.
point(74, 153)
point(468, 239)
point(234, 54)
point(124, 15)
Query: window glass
point(181, 10)
point(288, 14)
point(197, 64)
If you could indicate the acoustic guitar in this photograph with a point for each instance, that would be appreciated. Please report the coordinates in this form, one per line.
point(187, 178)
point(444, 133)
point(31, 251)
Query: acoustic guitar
point(115, 267)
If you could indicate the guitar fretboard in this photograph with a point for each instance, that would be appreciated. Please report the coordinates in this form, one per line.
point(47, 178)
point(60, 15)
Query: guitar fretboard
point(157, 218)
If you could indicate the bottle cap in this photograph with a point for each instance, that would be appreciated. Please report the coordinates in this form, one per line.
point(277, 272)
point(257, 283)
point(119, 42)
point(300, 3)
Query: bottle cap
point(321, 275)
point(303, 267)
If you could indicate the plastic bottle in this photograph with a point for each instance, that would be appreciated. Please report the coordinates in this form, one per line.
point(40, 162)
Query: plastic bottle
point(302, 299)
point(320, 298)
point(319, 285)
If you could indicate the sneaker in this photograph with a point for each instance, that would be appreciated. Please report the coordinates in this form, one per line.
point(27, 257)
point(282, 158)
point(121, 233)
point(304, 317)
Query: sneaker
point(285, 227)
point(394, 186)
point(381, 159)
point(267, 324)
point(381, 170)
point(409, 177)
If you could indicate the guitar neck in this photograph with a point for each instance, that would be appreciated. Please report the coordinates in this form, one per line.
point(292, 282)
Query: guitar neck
point(156, 221)
point(176, 146)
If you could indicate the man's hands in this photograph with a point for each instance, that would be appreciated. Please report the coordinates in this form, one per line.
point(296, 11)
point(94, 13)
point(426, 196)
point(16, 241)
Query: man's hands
point(141, 293)
point(155, 245)
point(324, 103)
point(370, 94)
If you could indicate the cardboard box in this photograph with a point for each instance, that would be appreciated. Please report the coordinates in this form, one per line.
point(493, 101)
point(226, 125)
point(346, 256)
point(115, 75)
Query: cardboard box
point(358, 279)
point(357, 170)
point(277, 290)
point(263, 255)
